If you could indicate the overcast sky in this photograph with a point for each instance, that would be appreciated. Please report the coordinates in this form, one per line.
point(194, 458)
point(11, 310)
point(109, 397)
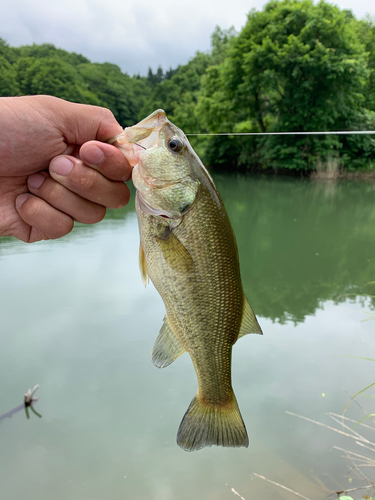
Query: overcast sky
point(133, 34)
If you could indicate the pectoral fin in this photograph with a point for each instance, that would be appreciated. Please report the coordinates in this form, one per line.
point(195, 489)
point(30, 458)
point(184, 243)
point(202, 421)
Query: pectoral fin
point(142, 266)
point(167, 347)
point(174, 252)
point(249, 322)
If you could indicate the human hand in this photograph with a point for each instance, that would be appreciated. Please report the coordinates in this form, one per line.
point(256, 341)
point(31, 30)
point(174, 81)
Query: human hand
point(54, 170)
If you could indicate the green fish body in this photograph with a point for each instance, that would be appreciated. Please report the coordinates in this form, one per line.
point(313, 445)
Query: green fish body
point(188, 250)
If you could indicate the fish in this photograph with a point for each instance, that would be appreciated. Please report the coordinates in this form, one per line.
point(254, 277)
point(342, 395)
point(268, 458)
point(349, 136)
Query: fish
point(188, 250)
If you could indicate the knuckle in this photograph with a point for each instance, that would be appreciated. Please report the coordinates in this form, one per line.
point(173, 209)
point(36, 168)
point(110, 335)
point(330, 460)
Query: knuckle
point(89, 179)
point(97, 214)
point(121, 198)
point(125, 197)
point(101, 213)
point(46, 222)
point(68, 225)
point(107, 114)
point(33, 208)
point(54, 193)
point(61, 227)
point(52, 189)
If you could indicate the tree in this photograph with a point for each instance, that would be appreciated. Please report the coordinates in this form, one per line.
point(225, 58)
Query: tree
point(118, 91)
point(53, 76)
point(155, 78)
point(49, 50)
point(44, 69)
point(366, 33)
point(295, 66)
point(178, 95)
point(8, 80)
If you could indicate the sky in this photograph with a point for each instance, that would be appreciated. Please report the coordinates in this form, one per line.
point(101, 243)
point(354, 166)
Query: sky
point(134, 34)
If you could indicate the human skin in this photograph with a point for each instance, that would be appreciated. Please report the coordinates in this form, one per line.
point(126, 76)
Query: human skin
point(55, 167)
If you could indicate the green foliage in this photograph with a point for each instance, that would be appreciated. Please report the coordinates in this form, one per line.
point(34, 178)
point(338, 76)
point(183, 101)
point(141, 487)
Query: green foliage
point(8, 81)
point(48, 50)
point(366, 33)
point(44, 69)
point(178, 91)
point(155, 78)
point(52, 76)
point(295, 66)
point(115, 90)
point(178, 95)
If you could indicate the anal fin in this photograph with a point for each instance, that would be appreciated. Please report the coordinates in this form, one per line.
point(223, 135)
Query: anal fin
point(167, 347)
point(249, 322)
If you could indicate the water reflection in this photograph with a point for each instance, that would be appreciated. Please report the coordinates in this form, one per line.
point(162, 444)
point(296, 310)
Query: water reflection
point(28, 404)
point(13, 411)
point(75, 316)
point(300, 242)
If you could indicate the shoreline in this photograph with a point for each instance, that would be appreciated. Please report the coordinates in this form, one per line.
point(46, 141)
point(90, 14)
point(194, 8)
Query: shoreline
point(331, 175)
point(365, 175)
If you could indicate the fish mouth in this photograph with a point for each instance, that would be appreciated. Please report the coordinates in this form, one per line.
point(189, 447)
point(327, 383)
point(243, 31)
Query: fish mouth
point(146, 131)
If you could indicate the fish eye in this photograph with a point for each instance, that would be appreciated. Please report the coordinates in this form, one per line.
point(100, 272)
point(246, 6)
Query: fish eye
point(175, 144)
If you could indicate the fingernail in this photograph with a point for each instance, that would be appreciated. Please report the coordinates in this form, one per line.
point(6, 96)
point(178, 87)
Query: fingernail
point(35, 181)
point(61, 166)
point(21, 200)
point(93, 155)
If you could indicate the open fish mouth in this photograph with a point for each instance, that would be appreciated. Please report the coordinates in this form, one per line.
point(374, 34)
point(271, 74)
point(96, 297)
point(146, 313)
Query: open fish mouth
point(144, 135)
point(146, 132)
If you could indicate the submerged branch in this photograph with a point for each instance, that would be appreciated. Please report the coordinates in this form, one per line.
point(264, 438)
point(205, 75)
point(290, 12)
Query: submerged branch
point(235, 492)
point(335, 419)
point(353, 436)
point(351, 420)
point(366, 459)
point(280, 486)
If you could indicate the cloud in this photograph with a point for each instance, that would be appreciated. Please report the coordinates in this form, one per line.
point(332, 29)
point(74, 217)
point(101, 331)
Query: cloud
point(133, 34)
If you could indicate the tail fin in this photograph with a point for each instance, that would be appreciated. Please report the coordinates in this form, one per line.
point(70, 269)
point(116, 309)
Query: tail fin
point(205, 425)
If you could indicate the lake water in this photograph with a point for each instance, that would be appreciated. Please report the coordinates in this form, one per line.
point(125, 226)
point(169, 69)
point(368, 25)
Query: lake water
point(76, 319)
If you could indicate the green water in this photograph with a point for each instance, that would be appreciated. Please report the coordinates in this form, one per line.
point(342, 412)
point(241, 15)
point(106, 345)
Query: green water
point(76, 319)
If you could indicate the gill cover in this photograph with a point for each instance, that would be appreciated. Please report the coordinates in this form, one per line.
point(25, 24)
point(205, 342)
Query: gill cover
point(164, 176)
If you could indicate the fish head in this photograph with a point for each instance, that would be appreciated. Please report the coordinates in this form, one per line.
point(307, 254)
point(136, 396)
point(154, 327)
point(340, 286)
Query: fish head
point(164, 176)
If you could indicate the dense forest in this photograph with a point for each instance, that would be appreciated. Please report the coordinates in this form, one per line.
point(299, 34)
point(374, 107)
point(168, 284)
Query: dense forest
point(294, 66)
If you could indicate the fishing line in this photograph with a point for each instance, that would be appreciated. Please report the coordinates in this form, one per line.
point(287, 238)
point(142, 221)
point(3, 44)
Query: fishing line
point(335, 132)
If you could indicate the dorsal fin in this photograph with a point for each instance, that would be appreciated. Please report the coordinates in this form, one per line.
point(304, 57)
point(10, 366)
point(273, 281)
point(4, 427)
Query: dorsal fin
point(167, 347)
point(249, 322)
point(142, 266)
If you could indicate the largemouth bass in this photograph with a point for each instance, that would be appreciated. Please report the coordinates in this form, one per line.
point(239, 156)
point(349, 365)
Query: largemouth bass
point(188, 250)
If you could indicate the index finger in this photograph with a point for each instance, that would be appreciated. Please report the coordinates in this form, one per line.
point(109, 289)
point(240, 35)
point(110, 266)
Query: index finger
point(106, 159)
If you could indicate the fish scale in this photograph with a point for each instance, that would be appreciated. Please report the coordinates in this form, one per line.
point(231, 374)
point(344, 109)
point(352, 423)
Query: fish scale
point(188, 250)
